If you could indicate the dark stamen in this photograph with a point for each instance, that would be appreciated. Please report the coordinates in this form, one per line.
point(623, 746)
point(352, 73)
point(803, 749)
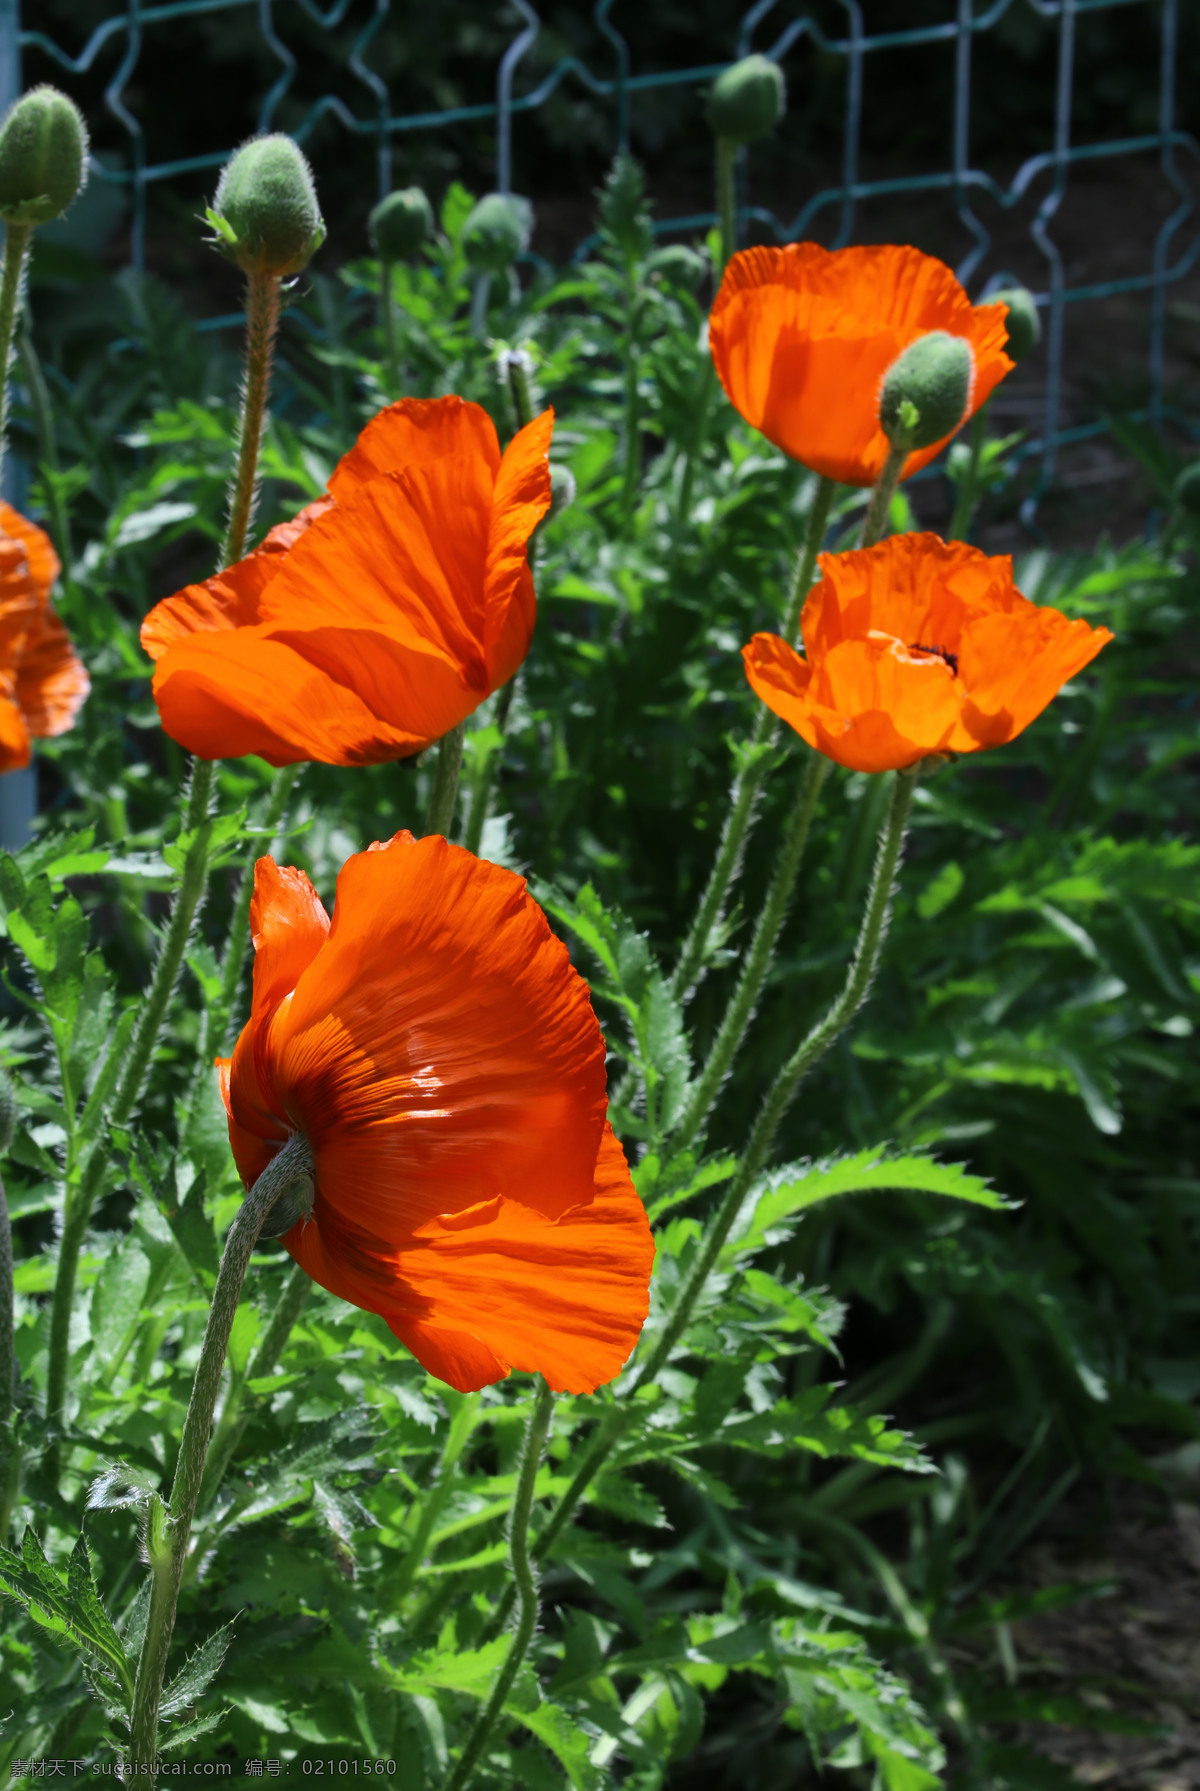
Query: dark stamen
point(942, 653)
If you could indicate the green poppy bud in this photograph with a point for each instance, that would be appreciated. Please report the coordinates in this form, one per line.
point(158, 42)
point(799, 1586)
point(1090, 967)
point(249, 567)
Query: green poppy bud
point(496, 232)
point(747, 101)
point(400, 224)
point(1187, 489)
point(265, 211)
point(562, 490)
point(1023, 323)
point(43, 157)
point(926, 390)
point(678, 266)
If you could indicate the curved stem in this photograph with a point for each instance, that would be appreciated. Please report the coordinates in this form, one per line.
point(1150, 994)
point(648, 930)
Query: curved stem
point(526, 1585)
point(387, 314)
point(131, 1081)
point(12, 279)
point(881, 496)
point(740, 1011)
point(440, 817)
point(485, 778)
point(293, 1164)
point(964, 505)
point(815, 1043)
point(433, 1504)
point(750, 780)
point(262, 320)
point(235, 1414)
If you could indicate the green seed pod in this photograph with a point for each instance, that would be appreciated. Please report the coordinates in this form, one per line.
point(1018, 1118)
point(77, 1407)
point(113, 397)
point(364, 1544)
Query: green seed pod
point(496, 232)
point(926, 390)
point(747, 101)
point(1023, 323)
point(265, 211)
point(562, 491)
point(43, 157)
point(400, 224)
point(1187, 489)
point(677, 266)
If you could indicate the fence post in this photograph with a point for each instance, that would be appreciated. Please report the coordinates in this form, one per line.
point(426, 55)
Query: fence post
point(18, 789)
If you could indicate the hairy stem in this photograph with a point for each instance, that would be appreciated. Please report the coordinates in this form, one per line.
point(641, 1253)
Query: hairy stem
point(881, 496)
point(525, 1581)
point(236, 1411)
point(440, 816)
point(740, 1011)
point(262, 320)
point(387, 316)
point(968, 490)
point(12, 279)
point(433, 1504)
point(485, 778)
point(9, 1459)
point(292, 1165)
point(43, 423)
point(815, 1043)
point(749, 782)
point(233, 963)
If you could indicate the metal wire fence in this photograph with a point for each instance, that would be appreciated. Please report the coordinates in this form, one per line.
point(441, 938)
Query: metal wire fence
point(373, 127)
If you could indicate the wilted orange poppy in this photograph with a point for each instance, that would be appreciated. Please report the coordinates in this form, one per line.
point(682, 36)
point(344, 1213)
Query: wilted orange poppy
point(914, 647)
point(42, 680)
point(439, 1054)
point(802, 337)
point(381, 616)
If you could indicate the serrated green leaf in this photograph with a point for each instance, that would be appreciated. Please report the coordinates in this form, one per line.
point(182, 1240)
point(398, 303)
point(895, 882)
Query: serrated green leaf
point(197, 1674)
point(70, 1610)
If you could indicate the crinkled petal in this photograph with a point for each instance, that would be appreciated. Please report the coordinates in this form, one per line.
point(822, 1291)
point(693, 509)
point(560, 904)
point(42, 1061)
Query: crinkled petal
point(51, 683)
point(416, 432)
point(522, 498)
point(44, 563)
point(252, 1151)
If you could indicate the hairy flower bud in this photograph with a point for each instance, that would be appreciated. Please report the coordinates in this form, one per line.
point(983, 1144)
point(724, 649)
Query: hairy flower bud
point(926, 390)
point(1023, 323)
point(43, 157)
point(496, 232)
point(562, 490)
point(678, 266)
point(747, 101)
point(1187, 489)
point(400, 224)
point(265, 211)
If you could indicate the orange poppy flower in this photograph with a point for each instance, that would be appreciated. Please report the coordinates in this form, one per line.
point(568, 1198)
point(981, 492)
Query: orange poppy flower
point(802, 337)
point(381, 616)
point(441, 1058)
point(42, 680)
point(914, 647)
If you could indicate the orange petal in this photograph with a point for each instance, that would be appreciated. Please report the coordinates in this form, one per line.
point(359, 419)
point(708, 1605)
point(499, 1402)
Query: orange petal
point(44, 563)
point(14, 735)
point(440, 1050)
point(51, 683)
point(251, 1153)
point(522, 498)
point(224, 695)
point(500, 1287)
point(801, 338)
point(288, 926)
point(413, 433)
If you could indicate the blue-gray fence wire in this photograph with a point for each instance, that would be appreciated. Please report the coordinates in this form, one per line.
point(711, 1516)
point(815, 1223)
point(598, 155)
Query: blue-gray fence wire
point(834, 211)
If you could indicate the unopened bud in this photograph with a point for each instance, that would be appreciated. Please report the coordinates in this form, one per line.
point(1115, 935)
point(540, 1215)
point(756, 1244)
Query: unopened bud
point(747, 101)
point(677, 266)
point(265, 211)
point(1023, 324)
point(926, 390)
point(43, 157)
point(562, 491)
point(1187, 489)
point(496, 232)
point(400, 224)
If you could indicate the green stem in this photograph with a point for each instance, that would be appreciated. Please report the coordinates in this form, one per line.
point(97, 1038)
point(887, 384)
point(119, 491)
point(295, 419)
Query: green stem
point(234, 1414)
point(440, 816)
point(726, 202)
point(262, 320)
point(434, 1502)
point(633, 429)
point(130, 1083)
point(485, 778)
point(749, 781)
point(964, 506)
point(16, 252)
point(881, 496)
point(282, 785)
point(526, 1585)
point(387, 313)
point(516, 372)
point(9, 1454)
point(480, 293)
point(812, 1046)
point(43, 423)
point(292, 1165)
point(740, 1011)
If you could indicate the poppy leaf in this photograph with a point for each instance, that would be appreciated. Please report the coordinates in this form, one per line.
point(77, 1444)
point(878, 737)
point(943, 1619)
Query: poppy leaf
point(70, 1610)
point(197, 1674)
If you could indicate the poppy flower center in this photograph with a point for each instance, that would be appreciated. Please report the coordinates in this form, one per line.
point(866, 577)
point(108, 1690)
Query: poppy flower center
point(942, 653)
